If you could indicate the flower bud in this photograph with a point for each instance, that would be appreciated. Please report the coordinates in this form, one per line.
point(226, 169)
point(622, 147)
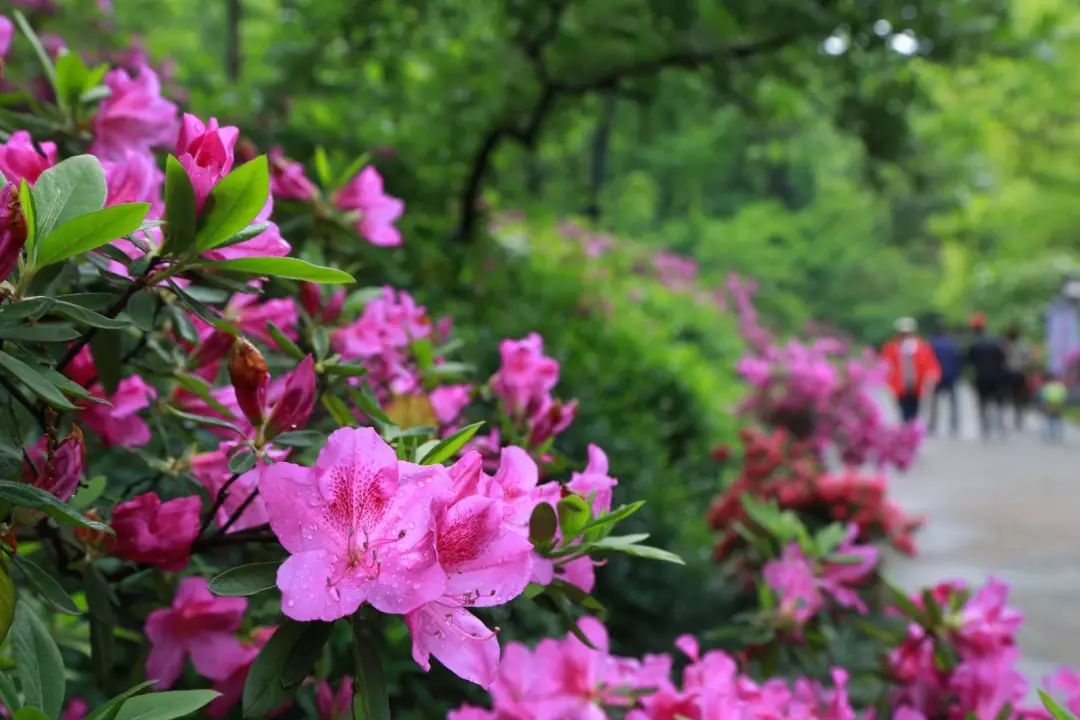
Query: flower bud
point(96, 542)
point(297, 400)
point(56, 468)
point(311, 298)
point(213, 348)
point(12, 229)
point(250, 378)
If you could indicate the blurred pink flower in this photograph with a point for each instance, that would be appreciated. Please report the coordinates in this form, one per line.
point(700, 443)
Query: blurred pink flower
point(20, 158)
point(134, 116)
point(199, 625)
point(156, 533)
point(333, 705)
point(287, 178)
point(134, 177)
point(448, 401)
point(56, 470)
point(375, 211)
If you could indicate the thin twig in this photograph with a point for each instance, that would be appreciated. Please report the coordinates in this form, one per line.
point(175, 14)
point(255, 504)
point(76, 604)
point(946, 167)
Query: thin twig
point(222, 495)
point(239, 511)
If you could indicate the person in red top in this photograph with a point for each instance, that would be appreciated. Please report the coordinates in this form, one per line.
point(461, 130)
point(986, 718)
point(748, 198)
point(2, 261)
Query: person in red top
point(913, 367)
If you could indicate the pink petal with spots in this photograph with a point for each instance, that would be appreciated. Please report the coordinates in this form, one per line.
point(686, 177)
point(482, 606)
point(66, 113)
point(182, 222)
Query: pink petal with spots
point(294, 506)
point(315, 587)
point(458, 639)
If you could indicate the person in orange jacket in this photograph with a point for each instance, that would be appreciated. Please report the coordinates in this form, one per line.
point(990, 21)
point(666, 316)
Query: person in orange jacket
point(913, 367)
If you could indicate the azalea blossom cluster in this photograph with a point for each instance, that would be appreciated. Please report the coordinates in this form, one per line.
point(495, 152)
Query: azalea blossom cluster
point(803, 584)
point(778, 468)
point(568, 679)
point(819, 391)
point(959, 657)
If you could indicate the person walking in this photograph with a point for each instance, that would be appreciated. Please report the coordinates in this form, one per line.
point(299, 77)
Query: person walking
point(913, 369)
point(1018, 366)
point(950, 359)
point(1052, 397)
point(987, 359)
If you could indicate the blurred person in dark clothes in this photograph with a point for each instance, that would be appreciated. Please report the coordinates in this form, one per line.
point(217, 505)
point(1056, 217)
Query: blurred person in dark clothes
point(950, 357)
point(986, 355)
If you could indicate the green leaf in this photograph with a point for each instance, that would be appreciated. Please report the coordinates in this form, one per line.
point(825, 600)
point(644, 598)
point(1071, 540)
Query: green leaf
point(107, 349)
point(542, 524)
point(26, 204)
point(28, 496)
point(7, 602)
point(321, 164)
point(283, 267)
point(601, 526)
point(37, 662)
point(283, 341)
point(344, 369)
point(216, 422)
point(233, 203)
point(39, 49)
point(40, 332)
point(179, 209)
point(99, 605)
point(338, 410)
point(246, 580)
point(142, 309)
point(89, 231)
point(574, 515)
point(300, 438)
point(365, 400)
point(35, 381)
point(628, 545)
point(71, 188)
point(29, 713)
point(8, 694)
point(50, 590)
point(263, 690)
point(305, 652)
point(85, 316)
point(85, 497)
point(905, 605)
point(371, 701)
point(110, 709)
point(1054, 708)
point(165, 705)
point(71, 78)
point(449, 446)
point(241, 462)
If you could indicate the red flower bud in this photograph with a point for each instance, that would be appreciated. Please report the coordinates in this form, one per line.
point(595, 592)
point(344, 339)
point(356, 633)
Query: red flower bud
point(56, 467)
point(297, 400)
point(250, 378)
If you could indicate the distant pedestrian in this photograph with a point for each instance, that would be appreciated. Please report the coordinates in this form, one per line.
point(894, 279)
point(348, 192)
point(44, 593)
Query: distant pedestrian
point(987, 359)
point(1019, 366)
point(950, 359)
point(1052, 398)
point(913, 368)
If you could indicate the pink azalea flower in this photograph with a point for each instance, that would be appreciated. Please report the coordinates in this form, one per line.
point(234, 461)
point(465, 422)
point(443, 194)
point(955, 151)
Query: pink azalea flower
point(594, 481)
point(839, 579)
point(76, 709)
point(311, 298)
point(156, 533)
point(57, 469)
point(7, 31)
point(12, 230)
point(526, 376)
point(792, 577)
point(287, 178)
point(1066, 683)
point(448, 401)
point(199, 625)
point(357, 530)
point(240, 657)
point(135, 116)
point(487, 562)
point(334, 705)
point(375, 211)
point(118, 424)
point(206, 152)
point(134, 177)
point(20, 159)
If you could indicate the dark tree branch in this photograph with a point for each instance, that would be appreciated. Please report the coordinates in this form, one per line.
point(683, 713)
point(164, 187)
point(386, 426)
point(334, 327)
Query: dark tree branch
point(527, 132)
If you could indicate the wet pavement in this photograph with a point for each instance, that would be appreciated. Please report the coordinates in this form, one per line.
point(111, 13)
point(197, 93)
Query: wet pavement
point(1009, 508)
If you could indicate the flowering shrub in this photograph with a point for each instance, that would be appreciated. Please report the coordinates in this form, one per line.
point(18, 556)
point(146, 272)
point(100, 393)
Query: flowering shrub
point(190, 399)
point(819, 392)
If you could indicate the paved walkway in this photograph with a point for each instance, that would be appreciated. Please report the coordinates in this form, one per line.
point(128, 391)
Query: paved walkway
point(1009, 508)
